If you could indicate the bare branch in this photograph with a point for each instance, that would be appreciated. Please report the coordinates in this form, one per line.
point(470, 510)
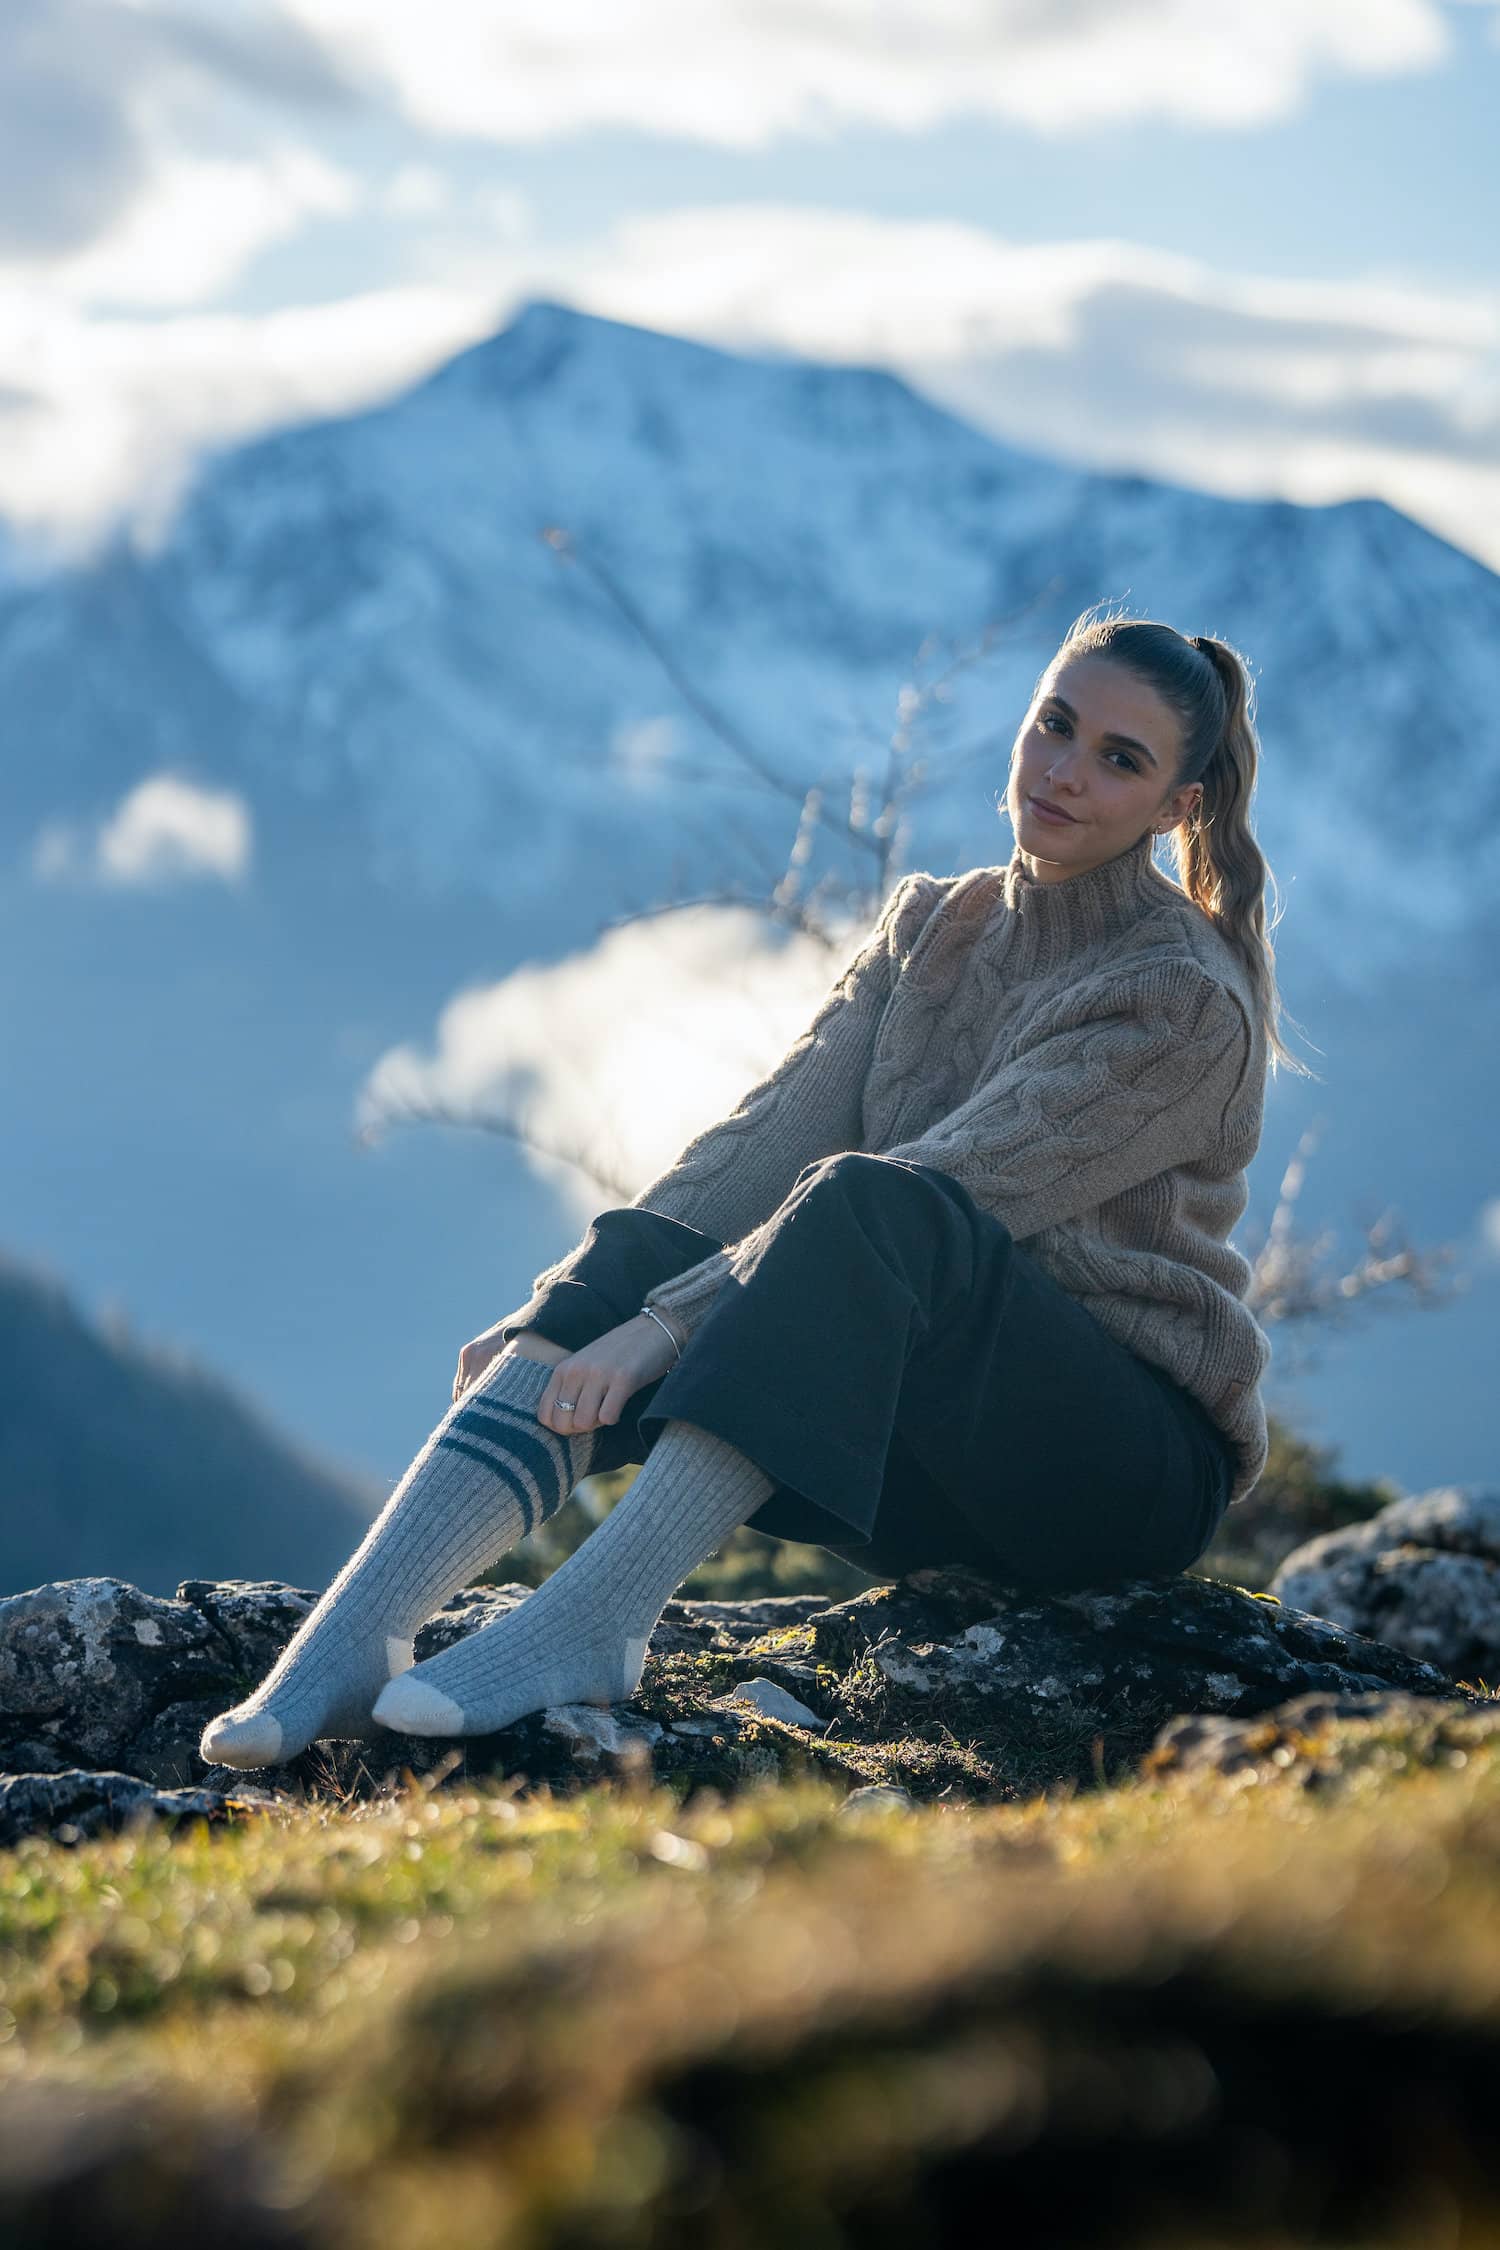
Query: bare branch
point(872, 826)
point(1291, 1285)
point(409, 1110)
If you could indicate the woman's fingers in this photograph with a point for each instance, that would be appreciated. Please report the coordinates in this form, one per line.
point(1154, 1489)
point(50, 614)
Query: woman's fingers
point(599, 1380)
point(471, 1365)
point(567, 1381)
point(618, 1390)
point(587, 1387)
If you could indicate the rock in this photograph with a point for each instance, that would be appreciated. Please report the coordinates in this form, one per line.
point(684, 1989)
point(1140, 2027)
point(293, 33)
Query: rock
point(255, 1617)
point(771, 1701)
point(943, 1682)
point(874, 1797)
point(165, 1750)
point(1422, 1575)
point(1309, 1735)
point(946, 1639)
point(72, 1806)
point(87, 1662)
point(595, 1734)
point(468, 1612)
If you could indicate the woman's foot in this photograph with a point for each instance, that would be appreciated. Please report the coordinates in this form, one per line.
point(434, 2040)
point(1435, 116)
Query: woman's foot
point(488, 1475)
point(581, 1637)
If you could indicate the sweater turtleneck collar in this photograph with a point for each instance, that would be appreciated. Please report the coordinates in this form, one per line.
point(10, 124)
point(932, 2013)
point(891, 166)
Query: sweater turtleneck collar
point(1061, 918)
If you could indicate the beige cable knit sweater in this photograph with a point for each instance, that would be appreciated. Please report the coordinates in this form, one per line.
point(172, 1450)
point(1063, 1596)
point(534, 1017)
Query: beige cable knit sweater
point(1084, 1056)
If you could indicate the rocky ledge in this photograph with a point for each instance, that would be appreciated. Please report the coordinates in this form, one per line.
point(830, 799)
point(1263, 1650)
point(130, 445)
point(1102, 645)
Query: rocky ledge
point(944, 1684)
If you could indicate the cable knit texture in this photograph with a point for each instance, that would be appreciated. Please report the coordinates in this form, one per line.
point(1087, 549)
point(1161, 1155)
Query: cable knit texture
point(1084, 1056)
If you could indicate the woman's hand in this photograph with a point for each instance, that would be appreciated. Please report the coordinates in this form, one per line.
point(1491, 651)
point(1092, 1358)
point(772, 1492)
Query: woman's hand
point(603, 1375)
point(476, 1356)
point(599, 1378)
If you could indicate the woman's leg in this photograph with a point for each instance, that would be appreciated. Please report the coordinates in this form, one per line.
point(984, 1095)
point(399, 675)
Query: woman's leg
point(488, 1475)
point(581, 1636)
point(888, 1336)
point(886, 1330)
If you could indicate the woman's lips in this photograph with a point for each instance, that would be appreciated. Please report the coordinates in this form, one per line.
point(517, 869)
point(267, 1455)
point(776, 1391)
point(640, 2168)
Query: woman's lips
point(1045, 812)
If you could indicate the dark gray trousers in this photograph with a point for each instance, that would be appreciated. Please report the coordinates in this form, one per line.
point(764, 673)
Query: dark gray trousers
point(920, 1389)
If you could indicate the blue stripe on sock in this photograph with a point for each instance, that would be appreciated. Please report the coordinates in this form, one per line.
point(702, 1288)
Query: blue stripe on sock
point(522, 1418)
point(517, 1429)
point(488, 1461)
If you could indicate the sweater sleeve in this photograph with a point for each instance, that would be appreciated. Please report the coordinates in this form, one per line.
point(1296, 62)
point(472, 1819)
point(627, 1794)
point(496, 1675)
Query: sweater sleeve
point(1096, 1107)
point(730, 1177)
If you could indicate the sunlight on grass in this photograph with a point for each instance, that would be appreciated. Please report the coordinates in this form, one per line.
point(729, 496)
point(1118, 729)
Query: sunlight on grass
point(454, 2001)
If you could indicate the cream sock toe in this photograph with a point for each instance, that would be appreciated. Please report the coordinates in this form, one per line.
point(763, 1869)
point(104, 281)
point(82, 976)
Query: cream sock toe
point(414, 1708)
point(254, 1740)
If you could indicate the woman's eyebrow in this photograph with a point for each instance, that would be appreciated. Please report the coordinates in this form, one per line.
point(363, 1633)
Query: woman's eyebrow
point(1112, 735)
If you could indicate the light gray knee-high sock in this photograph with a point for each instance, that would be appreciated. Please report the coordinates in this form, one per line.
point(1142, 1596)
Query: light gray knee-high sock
point(580, 1637)
point(488, 1474)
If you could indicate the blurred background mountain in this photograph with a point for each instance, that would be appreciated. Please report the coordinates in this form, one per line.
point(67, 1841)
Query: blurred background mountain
point(121, 1459)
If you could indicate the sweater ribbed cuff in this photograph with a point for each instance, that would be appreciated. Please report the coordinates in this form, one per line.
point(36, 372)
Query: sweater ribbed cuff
point(686, 1297)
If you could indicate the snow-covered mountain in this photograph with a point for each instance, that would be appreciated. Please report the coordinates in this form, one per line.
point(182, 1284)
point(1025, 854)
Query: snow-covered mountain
point(452, 755)
point(364, 610)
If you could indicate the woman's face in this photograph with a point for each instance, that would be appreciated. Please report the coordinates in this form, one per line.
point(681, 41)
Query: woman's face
point(1102, 745)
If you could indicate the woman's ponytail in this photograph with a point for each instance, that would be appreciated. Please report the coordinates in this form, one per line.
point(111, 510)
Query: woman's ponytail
point(1219, 863)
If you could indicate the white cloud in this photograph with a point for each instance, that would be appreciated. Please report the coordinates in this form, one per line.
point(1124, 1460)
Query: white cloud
point(165, 830)
point(740, 74)
point(619, 1054)
point(107, 417)
point(1106, 352)
point(99, 97)
point(194, 228)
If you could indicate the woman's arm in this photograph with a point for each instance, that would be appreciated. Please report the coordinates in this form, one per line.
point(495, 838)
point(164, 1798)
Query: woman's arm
point(1100, 1106)
point(730, 1177)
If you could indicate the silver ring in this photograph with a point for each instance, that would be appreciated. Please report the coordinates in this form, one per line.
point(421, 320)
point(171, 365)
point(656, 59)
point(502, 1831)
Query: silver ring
point(567, 1404)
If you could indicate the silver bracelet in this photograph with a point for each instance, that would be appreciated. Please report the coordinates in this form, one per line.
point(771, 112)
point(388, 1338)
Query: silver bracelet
point(651, 1314)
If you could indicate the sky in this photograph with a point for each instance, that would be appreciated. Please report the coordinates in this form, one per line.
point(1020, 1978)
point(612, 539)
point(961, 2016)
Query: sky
point(1249, 248)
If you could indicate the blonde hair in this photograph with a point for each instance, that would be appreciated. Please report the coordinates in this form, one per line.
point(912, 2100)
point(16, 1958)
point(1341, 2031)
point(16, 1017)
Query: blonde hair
point(1207, 685)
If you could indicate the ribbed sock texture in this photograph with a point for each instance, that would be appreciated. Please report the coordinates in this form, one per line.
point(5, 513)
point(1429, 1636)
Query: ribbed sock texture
point(489, 1473)
point(581, 1636)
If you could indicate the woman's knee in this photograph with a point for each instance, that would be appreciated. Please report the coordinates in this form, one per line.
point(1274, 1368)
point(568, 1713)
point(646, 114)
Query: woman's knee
point(845, 1164)
point(872, 1171)
point(858, 1171)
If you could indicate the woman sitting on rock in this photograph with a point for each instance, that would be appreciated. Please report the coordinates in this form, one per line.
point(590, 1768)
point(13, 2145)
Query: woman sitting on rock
point(953, 1283)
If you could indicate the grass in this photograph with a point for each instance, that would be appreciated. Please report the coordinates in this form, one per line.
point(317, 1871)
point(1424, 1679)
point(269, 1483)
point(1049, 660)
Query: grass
point(1256, 2007)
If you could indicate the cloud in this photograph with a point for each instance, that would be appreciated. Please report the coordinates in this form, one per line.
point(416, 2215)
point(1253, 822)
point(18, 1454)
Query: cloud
point(1106, 352)
point(106, 418)
point(195, 225)
point(619, 1054)
point(165, 830)
point(740, 74)
point(94, 94)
